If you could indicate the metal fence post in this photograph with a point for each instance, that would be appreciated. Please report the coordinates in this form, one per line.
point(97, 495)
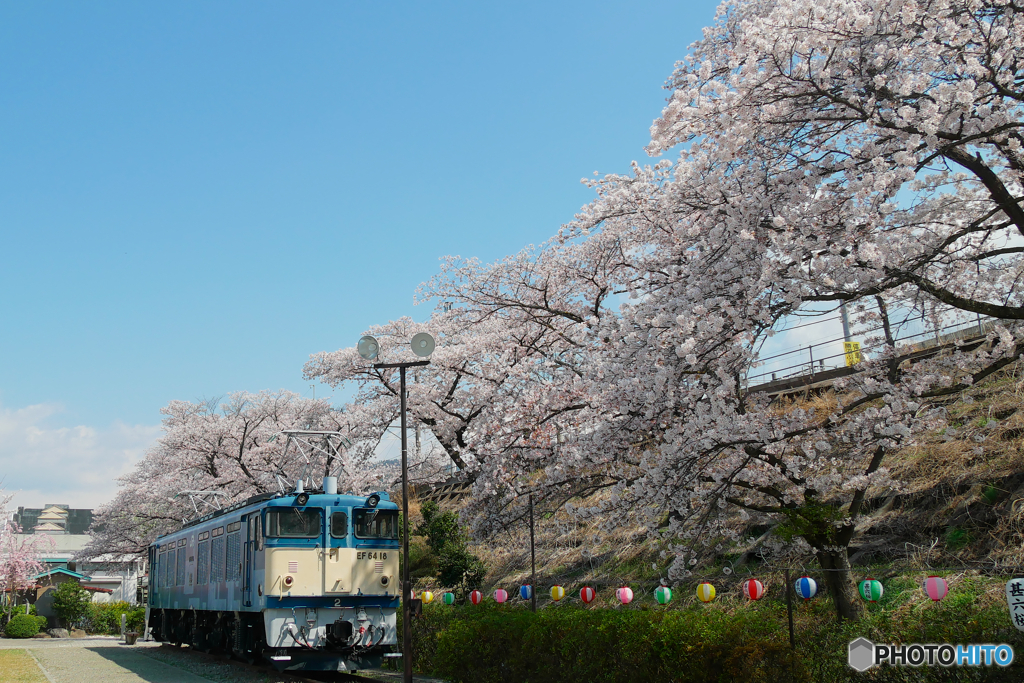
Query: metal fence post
point(789, 609)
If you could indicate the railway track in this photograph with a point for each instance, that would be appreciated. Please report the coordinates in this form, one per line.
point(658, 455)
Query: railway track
point(259, 672)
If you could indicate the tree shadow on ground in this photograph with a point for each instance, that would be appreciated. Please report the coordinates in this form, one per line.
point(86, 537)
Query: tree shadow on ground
point(146, 668)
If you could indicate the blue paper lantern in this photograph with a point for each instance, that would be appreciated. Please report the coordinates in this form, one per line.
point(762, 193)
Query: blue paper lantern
point(806, 587)
point(526, 592)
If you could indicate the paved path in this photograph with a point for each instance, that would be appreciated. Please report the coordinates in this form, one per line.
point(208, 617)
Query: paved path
point(108, 665)
point(105, 660)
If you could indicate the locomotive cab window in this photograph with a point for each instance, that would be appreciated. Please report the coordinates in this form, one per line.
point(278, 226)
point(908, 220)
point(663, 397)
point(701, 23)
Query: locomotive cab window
point(339, 525)
point(294, 523)
point(376, 523)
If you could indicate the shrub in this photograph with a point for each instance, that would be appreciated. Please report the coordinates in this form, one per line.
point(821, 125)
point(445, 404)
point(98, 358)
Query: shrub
point(23, 626)
point(456, 566)
point(71, 602)
point(489, 643)
point(105, 617)
point(137, 620)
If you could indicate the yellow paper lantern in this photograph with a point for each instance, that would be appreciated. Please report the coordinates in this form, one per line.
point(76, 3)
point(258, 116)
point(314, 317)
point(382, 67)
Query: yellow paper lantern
point(427, 597)
point(557, 593)
point(705, 592)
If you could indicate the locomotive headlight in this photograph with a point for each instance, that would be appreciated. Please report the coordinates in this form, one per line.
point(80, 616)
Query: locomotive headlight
point(301, 499)
point(384, 580)
point(372, 501)
point(288, 581)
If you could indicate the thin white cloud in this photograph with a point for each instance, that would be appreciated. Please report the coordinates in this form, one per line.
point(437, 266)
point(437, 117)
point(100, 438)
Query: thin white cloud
point(42, 461)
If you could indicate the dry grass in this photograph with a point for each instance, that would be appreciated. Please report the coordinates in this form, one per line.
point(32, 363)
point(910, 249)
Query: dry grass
point(965, 483)
point(18, 666)
point(568, 548)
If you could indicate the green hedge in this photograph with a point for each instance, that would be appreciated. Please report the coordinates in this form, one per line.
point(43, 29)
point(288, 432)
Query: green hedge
point(105, 617)
point(24, 626)
point(485, 644)
point(732, 640)
point(21, 609)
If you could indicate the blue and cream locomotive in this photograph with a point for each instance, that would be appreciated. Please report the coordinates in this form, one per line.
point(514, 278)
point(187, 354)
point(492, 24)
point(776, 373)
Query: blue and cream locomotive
point(306, 580)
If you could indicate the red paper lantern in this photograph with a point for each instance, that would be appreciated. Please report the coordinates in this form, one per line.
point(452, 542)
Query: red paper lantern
point(475, 597)
point(753, 589)
point(587, 594)
point(935, 587)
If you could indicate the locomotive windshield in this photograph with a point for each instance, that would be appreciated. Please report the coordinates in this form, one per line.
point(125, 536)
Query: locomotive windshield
point(339, 525)
point(294, 523)
point(376, 524)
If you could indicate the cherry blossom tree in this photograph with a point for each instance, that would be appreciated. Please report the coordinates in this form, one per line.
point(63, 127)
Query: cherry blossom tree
point(508, 373)
point(860, 152)
point(19, 557)
point(230, 448)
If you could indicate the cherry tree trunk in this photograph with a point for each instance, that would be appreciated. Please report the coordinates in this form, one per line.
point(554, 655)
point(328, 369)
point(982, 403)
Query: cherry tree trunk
point(836, 564)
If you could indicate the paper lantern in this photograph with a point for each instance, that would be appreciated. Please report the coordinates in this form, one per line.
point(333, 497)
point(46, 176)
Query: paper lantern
point(935, 587)
point(476, 597)
point(449, 598)
point(427, 597)
point(500, 596)
point(705, 592)
point(870, 589)
point(663, 594)
point(806, 587)
point(624, 594)
point(526, 592)
point(557, 593)
point(1015, 601)
point(753, 589)
point(587, 594)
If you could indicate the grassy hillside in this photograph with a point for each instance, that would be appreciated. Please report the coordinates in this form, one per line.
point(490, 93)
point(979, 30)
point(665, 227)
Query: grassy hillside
point(961, 504)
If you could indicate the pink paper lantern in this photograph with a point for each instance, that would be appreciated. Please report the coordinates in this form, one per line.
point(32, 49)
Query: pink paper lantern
point(753, 589)
point(475, 597)
point(624, 594)
point(500, 596)
point(587, 594)
point(935, 587)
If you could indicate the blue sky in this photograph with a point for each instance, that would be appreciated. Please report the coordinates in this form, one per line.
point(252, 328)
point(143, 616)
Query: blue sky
point(196, 196)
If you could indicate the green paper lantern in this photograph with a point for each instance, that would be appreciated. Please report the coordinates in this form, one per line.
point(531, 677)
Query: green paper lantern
point(663, 594)
point(870, 589)
point(449, 598)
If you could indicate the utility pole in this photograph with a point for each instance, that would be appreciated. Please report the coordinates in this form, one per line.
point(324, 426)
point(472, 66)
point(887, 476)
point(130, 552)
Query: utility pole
point(789, 609)
point(846, 321)
point(406, 583)
point(533, 563)
point(422, 345)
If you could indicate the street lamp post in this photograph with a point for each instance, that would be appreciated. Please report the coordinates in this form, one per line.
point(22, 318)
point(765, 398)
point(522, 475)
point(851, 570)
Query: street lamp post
point(422, 345)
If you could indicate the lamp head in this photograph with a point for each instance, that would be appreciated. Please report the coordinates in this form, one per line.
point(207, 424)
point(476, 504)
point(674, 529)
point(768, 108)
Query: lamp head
point(422, 344)
point(368, 347)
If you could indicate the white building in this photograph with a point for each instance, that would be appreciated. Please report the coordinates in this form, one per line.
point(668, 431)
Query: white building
point(54, 534)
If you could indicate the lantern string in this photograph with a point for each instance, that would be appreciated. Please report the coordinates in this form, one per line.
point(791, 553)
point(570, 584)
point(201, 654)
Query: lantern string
point(803, 571)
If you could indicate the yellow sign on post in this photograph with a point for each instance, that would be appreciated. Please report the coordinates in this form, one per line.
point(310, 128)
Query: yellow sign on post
point(852, 350)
